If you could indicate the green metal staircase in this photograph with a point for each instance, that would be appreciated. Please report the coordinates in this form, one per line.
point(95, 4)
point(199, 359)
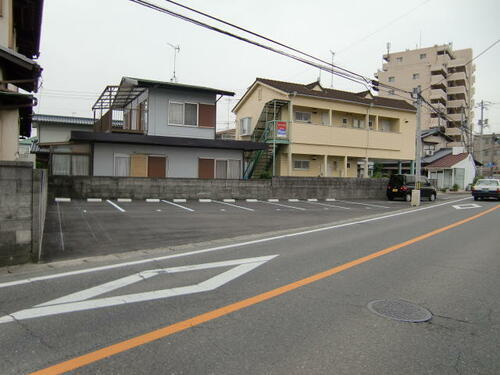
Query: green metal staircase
point(265, 131)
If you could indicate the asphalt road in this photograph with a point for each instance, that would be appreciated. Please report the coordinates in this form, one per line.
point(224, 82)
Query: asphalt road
point(293, 303)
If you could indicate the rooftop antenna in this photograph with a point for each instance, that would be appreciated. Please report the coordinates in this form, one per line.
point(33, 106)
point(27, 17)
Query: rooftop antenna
point(177, 49)
point(333, 55)
point(388, 46)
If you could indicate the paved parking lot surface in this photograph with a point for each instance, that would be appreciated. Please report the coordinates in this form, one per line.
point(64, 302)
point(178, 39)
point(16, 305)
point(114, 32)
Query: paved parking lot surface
point(80, 228)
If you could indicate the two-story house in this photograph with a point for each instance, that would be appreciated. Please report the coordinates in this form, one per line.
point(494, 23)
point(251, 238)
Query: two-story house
point(314, 131)
point(168, 131)
point(20, 23)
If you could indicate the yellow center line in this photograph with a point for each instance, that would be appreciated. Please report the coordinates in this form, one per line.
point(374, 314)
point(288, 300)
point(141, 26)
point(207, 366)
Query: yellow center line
point(134, 342)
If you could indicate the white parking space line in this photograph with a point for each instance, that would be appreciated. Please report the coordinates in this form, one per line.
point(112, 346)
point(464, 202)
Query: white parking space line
point(223, 247)
point(179, 200)
point(124, 200)
point(178, 205)
point(94, 200)
point(204, 200)
point(330, 205)
point(61, 236)
point(115, 205)
point(59, 199)
point(152, 200)
point(364, 204)
point(234, 205)
point(283, 205)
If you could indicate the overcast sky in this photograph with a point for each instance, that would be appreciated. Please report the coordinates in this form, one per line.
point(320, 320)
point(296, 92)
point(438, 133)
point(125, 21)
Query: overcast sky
point(89, 44)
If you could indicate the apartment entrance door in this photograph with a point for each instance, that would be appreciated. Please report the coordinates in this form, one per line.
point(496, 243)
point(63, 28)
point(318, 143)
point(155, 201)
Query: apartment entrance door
point(157, 166)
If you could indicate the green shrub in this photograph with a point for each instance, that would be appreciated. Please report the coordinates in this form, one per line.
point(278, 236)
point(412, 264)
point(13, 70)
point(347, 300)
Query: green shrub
point(455, 187)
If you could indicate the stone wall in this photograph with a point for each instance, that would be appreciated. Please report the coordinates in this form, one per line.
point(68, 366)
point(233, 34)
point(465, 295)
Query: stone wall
point(169, 188)
point(23, 197)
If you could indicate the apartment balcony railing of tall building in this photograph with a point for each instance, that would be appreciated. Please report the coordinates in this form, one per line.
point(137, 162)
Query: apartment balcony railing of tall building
point(438, 79)
point(456, 117)
point(456, 103)
point(120, 103)
point(438, 94)
point(457, 76)
point(436, 122)
point(438, 70)
point(451, 131)
point(454, 90)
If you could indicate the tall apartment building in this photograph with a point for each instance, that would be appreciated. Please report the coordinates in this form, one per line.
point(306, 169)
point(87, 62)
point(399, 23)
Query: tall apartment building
point(447, 80)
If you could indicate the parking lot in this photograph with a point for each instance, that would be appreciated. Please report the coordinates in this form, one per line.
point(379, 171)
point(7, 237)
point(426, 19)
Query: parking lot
point(80, 228)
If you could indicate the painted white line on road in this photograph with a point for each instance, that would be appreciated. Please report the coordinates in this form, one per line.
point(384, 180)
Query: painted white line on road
point(293, 200)
point(229, 200)
point(152, 200)
point(466, 206)
point(330, 205)
point(364, 204)
point(59, 199)
point(252, 200)
point(124, 200)
point(330, 199)
point(204, 200)
point(312, 200)
point(273, 200)
point(235, 205)
point(115, 205)
point(94, 200)
point(284, 205)
point(179, 200)
point(81, 300)
point(178, 205)
point(223, 247)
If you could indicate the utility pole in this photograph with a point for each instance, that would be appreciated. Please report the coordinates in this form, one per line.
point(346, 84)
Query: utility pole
point(481, 124)
point(415, 196)
point(333, 55)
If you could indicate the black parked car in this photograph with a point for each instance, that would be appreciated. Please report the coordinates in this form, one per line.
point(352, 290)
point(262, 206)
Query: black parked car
point(401, 186)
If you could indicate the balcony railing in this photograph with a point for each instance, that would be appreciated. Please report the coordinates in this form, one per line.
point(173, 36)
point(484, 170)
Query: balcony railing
point(456, 103)
point(457, 76)
point(456, 90)
point(453, 131)
point(437, 94)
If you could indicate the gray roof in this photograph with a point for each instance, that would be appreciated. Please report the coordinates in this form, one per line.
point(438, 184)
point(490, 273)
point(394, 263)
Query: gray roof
point(170, 85)
point(68, 120)
point(437, 155)
point(81, 136)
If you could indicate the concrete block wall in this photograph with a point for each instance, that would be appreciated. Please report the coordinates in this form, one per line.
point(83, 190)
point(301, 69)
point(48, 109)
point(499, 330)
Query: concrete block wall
point(15, 211)
point(81, 187)
point(23, 204)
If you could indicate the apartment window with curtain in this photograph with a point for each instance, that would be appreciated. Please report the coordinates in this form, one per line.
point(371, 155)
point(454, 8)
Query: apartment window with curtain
point(121, 165)
point(70, 165)
point(302, 116)
point(185, 114)
point(301, 164)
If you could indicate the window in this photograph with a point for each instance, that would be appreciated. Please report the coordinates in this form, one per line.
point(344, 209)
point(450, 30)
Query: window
point(392, 79)
point(233, 169)
point(399, 59)
point(301, 164)
point(122, 165)
point(245, 125)
point(344, 121)
point(416, 76)
point(370, 124)
point(423, 56)
point(61, 165)
point(348, 165)
point(357, 123)
point(70, 165)
point(79, 165)
point(221, 169)
point(303, 116)
point(183, 114)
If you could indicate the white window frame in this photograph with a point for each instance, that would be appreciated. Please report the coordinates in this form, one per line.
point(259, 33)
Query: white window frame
point(240, 172)
point(245, 130)
point(301, 161)
point(302, 113)
point(184, 114)
point(120, 155)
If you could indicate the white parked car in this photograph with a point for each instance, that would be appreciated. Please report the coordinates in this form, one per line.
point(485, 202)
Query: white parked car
point(486, 188)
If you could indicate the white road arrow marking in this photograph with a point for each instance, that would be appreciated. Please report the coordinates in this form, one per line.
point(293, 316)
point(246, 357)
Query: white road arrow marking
point(81, 300)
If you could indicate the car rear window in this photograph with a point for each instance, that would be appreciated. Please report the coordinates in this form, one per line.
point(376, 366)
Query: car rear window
point(401, 179)
point(487, 182)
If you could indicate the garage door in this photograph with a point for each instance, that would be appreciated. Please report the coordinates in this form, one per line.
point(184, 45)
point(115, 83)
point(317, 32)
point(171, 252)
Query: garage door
point(156, 166)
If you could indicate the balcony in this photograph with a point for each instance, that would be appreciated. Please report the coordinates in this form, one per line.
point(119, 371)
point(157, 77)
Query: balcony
point(456, 103)
point(438, 79)
point(453, 131)
point(438, 70)
point(454, 90)
point(456, 117)
point(438, 94)
point(457, 76)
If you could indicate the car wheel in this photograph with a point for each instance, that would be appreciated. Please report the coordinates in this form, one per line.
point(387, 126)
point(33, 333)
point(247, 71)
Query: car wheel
point(476, 198)
point(408, 197)
point(432, 197)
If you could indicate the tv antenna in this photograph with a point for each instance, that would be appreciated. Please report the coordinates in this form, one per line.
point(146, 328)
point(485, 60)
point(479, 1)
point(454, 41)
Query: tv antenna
point(177, 49)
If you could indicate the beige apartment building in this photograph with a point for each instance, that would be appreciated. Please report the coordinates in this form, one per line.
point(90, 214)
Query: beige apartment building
point(312, 131)
point(446, 77)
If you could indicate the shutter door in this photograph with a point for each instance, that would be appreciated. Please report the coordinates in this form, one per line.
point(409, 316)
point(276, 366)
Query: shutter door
point(206, 115)
point(156, 166)
point(205, 168)
point(138, 165)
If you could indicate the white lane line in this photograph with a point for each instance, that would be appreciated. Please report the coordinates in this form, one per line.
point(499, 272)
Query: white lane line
point(178, 205)
point(312, 200)
point(58, 199)
point(94, 200)
point(363, 204)
point(293, 200)
point(115, 205)
point(179, 200)
point(273, 200)
point(223, 247)
point(229, 200)
point(234, 205)
point(124, 200)
point(283, 205)
point(253, 200)
point(330, 205)
point(330, 199)
point(152, 200)
point(204, 200)
point(61, 236)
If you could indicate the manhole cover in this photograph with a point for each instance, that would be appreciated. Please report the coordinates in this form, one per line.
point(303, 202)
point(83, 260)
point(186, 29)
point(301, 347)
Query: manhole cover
point(403, 311)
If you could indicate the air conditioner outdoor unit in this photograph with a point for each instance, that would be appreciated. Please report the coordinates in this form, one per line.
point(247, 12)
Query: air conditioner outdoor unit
point(429, 152)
